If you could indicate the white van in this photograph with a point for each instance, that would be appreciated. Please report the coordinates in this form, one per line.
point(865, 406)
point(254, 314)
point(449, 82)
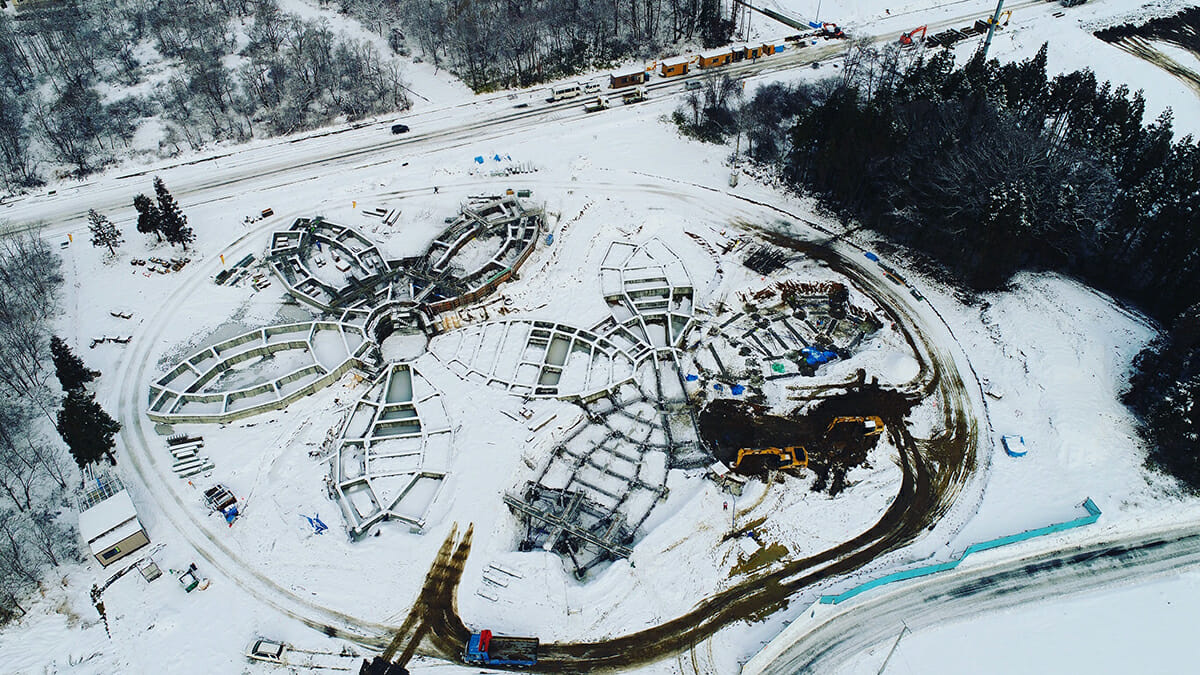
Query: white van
point(591, 87)
point(564, 92)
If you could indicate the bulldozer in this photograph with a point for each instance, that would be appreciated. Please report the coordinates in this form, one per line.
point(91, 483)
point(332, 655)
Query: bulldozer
point(756, 460)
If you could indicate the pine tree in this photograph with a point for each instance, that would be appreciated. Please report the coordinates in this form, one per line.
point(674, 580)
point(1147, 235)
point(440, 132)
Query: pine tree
point(174, 223)
point(149, 217)
point(104, 233)
point(86, 428)
point(69, 368)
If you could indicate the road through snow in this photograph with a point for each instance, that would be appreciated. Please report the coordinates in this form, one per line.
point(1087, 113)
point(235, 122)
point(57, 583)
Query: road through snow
point(851, 628)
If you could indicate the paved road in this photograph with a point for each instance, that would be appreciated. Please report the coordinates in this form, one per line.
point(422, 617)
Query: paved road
point(970, 590)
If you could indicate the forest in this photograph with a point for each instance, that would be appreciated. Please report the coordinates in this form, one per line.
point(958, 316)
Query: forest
point(987, 169)
point(81, 79)
point(492, 44)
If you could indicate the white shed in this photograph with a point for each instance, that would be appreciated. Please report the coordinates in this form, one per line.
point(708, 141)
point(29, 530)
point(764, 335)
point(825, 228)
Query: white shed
point(108, 522)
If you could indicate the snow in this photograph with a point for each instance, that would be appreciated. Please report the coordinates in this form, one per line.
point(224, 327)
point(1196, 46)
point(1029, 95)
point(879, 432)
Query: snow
point(1144, 628)
point(1053, 353)
point(105, 516)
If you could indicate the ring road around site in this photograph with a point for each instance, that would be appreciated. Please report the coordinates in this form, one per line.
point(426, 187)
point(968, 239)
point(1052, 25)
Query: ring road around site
point(581, 391)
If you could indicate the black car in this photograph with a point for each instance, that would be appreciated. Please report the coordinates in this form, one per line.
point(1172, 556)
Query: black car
point(399, 128)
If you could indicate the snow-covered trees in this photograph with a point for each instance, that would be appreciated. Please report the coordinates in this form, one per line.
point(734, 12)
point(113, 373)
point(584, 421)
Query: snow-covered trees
point(149, 219)
point(104, 233)
point(172, 222)
point(86, 428)
point(163, 217)
point(293, 73)
point(68, 367)
point(34, 471)
point(1165, 393)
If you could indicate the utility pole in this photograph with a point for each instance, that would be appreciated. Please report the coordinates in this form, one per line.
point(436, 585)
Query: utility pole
point(992, 27)
point(894, 644)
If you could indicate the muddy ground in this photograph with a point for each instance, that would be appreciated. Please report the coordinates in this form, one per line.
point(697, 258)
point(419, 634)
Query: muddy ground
point(728, 425)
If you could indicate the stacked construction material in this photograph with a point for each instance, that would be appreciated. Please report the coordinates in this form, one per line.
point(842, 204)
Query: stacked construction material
point(186, 451)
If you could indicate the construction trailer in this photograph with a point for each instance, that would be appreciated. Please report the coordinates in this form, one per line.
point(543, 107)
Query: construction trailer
point(716, 58)
point(675, 67)
point(618, 80)
point(108, 521)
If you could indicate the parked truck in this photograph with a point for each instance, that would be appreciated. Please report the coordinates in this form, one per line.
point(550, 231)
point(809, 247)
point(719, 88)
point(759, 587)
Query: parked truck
point(497, 650)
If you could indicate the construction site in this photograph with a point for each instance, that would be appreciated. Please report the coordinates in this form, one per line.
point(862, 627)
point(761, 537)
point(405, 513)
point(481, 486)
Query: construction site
point(576, 387)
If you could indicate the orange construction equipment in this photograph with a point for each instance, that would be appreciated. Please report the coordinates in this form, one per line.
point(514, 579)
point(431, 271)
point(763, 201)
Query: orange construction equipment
point(791, 457)
point(910, 38)
point(870, 426)
point(832, 30)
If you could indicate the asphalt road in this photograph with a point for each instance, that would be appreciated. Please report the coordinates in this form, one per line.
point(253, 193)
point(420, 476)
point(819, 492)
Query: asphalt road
point(986, 587)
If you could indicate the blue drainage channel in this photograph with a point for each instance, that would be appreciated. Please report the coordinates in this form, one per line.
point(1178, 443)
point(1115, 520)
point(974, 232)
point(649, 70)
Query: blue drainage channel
point(1093, 513)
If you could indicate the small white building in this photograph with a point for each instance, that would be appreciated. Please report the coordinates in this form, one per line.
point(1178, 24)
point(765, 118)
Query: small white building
point(107, 520)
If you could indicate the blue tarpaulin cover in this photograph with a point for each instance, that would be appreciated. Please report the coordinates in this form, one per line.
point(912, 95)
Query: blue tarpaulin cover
point(871, 256)
point(816, 356)
point(736, 389)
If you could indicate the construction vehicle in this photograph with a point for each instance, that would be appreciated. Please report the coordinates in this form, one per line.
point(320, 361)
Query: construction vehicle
point(596, 105)
point(496, 650)
point(911, 37)
point(831, 30)
point(844, 427)
point(757, 460)
point(637, 95)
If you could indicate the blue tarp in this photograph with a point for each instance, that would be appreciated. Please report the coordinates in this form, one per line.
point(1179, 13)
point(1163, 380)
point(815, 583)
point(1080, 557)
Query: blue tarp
point(479, 159)
point(691, 378)
point(816, 356)
point(871, 256)
point(736, 389)
point(718, 387)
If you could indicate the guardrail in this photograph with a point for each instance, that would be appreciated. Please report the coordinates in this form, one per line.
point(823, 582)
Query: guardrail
point(1093, 514)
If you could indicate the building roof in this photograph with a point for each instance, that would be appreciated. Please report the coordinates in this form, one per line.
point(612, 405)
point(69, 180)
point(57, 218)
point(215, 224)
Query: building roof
point(676, 62)
point(107, 515)
point(114, 537)
point(716, 52)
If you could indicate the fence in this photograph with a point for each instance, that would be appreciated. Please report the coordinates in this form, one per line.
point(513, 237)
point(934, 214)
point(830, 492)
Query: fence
point(1093, 513)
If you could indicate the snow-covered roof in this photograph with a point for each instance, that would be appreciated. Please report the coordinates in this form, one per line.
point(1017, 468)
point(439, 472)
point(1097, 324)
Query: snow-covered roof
point(107, 515)
point(676, 62)
point(715, 53)
point(115, 536)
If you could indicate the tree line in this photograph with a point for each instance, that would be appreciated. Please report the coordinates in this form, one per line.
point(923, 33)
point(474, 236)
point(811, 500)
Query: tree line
point(37, 529)
point(492, 44)
point(73, 78)
point(990, 168)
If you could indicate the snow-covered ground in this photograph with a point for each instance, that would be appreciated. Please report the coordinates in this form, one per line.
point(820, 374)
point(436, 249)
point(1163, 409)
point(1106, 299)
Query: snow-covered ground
point(1050, 354)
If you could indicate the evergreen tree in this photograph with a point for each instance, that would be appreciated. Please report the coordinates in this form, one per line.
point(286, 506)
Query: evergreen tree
point(104, 233)
point(149, 217)
point(86, 428)
point(174, 223)
point(69, 368)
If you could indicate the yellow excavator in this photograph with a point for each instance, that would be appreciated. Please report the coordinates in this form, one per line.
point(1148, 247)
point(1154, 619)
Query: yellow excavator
point(754, 460)
point(842, 427)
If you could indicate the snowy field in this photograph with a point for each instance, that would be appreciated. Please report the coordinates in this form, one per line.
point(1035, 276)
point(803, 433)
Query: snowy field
point(1049, 357)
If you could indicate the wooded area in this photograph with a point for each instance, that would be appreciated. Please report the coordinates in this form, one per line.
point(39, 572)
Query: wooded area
point(36, 524)
point(492, 44)
point(992, 168)
point(79, 78)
